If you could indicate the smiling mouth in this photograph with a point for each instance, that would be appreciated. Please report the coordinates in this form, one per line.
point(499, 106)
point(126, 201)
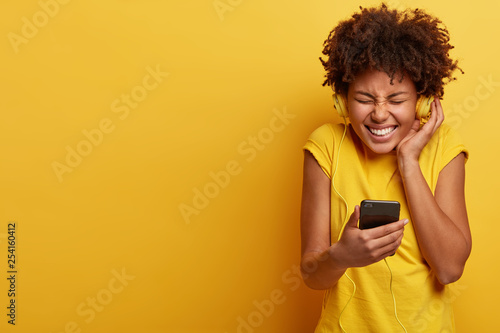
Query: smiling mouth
point(381, 132)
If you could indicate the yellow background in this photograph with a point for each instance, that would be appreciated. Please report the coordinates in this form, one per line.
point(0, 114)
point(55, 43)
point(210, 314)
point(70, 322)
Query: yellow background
point(230, 72)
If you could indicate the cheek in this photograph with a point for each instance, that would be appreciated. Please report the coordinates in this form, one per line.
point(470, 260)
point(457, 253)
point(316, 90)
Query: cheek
point(357, 124)
point(357, 116)
point(407, 118)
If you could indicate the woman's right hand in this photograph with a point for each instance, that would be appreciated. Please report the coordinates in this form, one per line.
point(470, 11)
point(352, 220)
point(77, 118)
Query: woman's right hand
point(358, 248)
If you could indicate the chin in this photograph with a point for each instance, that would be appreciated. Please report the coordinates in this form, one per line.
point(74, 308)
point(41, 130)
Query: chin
point(381, 149)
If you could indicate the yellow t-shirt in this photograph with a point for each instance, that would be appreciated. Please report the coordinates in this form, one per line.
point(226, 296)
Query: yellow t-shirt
point(423, 304)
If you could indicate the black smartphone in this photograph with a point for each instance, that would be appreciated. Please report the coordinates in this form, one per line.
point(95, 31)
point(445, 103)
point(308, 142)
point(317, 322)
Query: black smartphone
point(375, 213)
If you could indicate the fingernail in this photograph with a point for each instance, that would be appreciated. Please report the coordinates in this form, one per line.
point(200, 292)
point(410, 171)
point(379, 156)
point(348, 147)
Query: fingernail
point(406, 221)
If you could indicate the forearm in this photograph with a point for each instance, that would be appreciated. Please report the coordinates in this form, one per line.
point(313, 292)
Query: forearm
point(442, 243)
point(321, 270)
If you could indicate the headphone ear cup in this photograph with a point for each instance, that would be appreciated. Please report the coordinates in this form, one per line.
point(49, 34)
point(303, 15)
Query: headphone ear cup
point(423, 108)
point(339, 103)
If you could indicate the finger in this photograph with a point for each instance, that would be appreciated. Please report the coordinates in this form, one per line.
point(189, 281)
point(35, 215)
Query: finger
point(415, 126)
point(388, 229)
point(439, 111)
point(391, 251)
point(429, 127)
point(389, 244)
point(437, 115)
point(353, 220)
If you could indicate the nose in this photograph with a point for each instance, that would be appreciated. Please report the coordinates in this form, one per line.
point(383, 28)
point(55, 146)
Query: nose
point(380, 112)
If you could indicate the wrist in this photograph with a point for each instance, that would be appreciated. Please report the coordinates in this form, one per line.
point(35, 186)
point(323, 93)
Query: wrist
point(408, 166)
point(337, 258)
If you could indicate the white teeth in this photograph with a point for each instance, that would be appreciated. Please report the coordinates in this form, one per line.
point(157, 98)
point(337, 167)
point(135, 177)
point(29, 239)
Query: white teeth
point(382, 132)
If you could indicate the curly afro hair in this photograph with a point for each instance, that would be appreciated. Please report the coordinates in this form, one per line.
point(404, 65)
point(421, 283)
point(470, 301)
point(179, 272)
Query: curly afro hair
point(411, 43)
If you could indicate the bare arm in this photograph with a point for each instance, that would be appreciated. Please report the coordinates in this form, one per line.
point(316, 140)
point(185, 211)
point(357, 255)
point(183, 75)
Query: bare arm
point(317, 270)
point(440, 220)
point(323, 264)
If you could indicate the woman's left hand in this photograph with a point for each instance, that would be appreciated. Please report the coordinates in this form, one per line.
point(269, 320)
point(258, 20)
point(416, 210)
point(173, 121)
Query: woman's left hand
point(409, 149)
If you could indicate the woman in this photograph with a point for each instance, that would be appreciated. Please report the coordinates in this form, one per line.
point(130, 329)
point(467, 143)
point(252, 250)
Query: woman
point(382, 63)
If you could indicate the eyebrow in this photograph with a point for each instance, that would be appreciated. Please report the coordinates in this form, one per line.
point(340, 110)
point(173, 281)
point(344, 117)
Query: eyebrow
point(373, 97)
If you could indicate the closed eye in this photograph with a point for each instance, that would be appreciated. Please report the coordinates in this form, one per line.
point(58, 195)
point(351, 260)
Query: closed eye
point(396, 102)
point(390, 101)
point(364, 101)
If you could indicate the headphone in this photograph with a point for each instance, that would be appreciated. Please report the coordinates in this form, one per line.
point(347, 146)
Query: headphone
point(423, 108)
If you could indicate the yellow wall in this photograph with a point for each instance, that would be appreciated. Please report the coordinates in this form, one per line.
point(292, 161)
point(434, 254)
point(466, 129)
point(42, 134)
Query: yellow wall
point(116, 115)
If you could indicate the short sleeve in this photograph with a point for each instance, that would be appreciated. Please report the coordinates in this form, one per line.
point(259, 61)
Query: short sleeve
point(321, 145)
point(452, 145)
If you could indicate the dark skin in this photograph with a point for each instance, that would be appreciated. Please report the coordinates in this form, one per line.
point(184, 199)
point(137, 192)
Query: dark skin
point(442, 228)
